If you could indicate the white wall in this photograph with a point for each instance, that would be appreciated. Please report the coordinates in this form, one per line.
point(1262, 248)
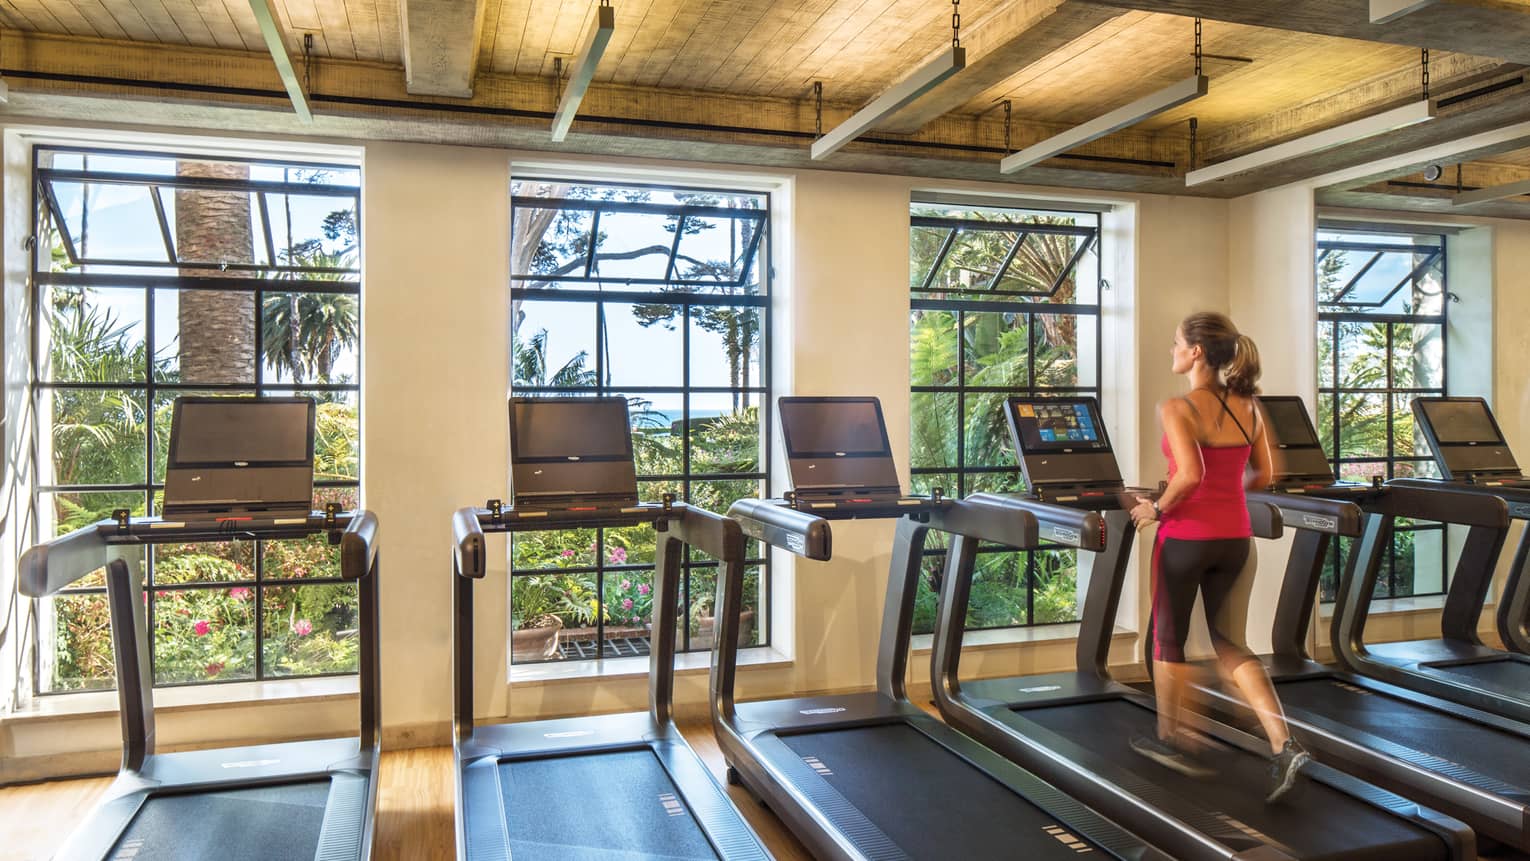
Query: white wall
point(1272, 301)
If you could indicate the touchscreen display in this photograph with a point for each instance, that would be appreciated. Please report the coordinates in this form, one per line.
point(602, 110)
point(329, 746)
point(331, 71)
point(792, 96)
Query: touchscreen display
point(565, 428)
point(242, 430)
point(1288, 422)
point(1461, 422)
point(842, 427)
point(1058, 425)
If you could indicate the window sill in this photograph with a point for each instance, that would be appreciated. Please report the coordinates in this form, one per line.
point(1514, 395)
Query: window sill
point(191, 698)
point(1001, 638)
point(613, 669)
point(1400, 606)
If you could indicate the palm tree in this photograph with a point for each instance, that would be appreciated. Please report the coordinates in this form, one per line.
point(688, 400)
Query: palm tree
point(303, 334)
point(216, 335)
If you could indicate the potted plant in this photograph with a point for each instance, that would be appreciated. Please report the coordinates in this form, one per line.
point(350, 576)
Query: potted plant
point(534, 600)
point(704, 624)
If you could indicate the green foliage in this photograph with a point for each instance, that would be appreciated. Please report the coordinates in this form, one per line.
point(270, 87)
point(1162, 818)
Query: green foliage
point(1005, 351)
point(721, 444)
point(100, 437)
point(1376, 357)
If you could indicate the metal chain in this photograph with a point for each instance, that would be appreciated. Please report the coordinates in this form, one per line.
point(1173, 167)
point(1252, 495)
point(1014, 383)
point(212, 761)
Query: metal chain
point(1426, 74)
point(308, 62)
point(1195, 127)
point(818, 108)
point(956, 23)
point(1197, 47)
point(1006, 125)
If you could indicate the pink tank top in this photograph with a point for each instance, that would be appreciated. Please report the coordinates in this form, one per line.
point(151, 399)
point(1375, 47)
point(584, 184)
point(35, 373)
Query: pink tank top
point(1217, 508)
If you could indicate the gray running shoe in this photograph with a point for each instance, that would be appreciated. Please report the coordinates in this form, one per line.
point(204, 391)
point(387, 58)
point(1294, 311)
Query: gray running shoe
point(1284, 769)
point(1169, 756)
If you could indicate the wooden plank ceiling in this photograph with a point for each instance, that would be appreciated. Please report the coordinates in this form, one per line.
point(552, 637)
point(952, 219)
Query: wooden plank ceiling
point(667, 57)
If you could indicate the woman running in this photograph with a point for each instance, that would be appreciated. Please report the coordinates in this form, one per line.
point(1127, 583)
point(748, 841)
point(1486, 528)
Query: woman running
point(1215, 443)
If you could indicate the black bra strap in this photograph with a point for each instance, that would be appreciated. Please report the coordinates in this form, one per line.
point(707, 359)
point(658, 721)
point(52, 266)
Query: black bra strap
point(1228, 410)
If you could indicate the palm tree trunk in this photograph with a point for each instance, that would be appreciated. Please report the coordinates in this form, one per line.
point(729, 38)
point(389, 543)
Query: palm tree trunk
point(217, 328)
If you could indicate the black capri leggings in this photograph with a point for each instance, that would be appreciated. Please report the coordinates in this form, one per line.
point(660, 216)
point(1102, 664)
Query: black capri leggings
point(1179, 568)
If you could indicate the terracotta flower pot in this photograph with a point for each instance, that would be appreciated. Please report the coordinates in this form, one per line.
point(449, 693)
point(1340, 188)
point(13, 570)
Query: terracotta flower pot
point(705, 625)
point(537, 643)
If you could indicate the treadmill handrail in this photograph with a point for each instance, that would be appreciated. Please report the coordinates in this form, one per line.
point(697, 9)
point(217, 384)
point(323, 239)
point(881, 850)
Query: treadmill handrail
point(780, 525)
point(468, 543)
point(1443, 501)
point(1264, 519)
point(49, 566)
point(358, 546)
point(1346, 517)
point(1057, 524)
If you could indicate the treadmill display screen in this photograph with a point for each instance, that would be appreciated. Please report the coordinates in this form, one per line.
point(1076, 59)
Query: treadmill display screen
point(1462, 422)
point(1058, 425)
point(242, 431)
point(1288, 423)
point(569, 429)
point(837, 427)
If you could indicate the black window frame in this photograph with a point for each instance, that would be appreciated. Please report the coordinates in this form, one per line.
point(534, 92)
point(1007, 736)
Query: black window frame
point(1339, 311)
point(46, 214)
point(1031, 304)
point(589, 289)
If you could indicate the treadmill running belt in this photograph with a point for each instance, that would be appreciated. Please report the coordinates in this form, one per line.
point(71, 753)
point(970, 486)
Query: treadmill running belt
point(598, 807)
point(258, 822)
point(1483, 749)
point(928, 800)
point(1507, 675)
point(1314, 822)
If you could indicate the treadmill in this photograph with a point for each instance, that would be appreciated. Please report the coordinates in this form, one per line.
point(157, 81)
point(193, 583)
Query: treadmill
point(1481, 482)
point(870, 775)
point(619, 786)
point(1073, 728)
point(1462, 761)
point(1471, 452)
point(239, 469)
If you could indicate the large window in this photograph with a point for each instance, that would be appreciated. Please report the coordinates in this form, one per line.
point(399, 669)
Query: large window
point(1003, 302)
point(659, 295)
point(1381, 343)
point(157, 275)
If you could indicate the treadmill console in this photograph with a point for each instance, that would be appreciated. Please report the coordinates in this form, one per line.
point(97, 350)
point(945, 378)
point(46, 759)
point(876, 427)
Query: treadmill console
point(1465, 438)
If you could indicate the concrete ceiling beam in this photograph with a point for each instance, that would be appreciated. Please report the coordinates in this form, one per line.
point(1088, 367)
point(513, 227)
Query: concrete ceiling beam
point(1007, 40)
point(1482, 27)
point(440, 45)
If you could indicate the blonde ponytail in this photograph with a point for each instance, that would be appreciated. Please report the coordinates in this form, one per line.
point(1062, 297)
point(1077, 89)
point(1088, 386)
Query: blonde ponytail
point(1242, 373)
point(1227, 351)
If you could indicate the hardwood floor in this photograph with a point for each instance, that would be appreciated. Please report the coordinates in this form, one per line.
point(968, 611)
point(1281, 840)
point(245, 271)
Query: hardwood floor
point(414, 820)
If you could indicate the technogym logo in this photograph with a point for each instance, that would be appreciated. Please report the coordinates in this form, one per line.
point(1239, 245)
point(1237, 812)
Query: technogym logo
point(823, 711)
point(1317, 521)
